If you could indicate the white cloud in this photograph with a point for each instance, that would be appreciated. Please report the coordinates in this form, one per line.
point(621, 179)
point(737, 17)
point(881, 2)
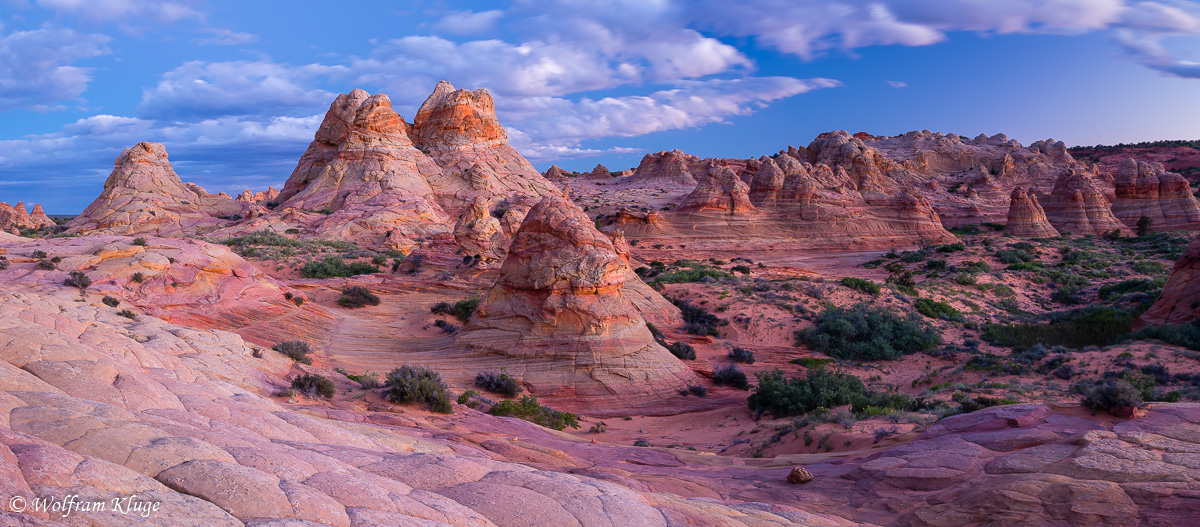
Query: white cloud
point(36, 67)
point(897, 84)
point(226, 37)
point(468, 22)
point(210, 89)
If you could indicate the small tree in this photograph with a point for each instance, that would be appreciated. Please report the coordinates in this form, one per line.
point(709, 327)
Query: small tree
point(1144, 224)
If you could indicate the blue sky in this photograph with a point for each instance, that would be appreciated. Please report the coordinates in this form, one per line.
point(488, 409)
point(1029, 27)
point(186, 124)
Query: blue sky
point(236, 89)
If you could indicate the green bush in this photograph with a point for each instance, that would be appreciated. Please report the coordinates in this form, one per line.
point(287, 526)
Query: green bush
point(37, 254)
point(682, 350)
point(731, 375)
point(1186, 335)
point(861, 285)
point(1148, 267)
point(527, 408)
point(418, 384)
point(312, 385)
point(500, 383)
point(334, 266)
point(1111, 394)
point(296, 350)
point(952, 247)
point(138, 277)
point(935, 309)
point(354, 297)
point(685, 276)
point(141, 242)
point(699, 321)
point(1135, 285)
point(865, 332)
point(976, 266)
point(1013, 256)
point(741, 355)
point(819, 388)
point(462, 310)
point(110, 301)
point(1090, 326)
point(127, 314)
point(1025, 266)
point(78, 280)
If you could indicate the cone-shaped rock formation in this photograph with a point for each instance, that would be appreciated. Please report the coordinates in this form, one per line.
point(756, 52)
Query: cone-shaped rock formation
point(1026, 218)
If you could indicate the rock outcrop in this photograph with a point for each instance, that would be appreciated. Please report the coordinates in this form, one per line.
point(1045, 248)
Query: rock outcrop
point(672, 167)
point(361, 179)
point(144, 195)
point(478, 232)
point(1179, 301)
point(1026, 218)
point(1077, 205)
point(1146, 189)
point(458, 129)
point(13, 219)
point(559, 317)
point(719, 191)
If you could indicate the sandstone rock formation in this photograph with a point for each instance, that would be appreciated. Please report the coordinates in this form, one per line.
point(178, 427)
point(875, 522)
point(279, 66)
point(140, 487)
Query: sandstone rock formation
point(360, 179)
point(559, 317)
point(600, 172)
point(458, 129)
point(480, 233)
point(13, 219)
point(719, 191)
point(1179, 301)
point(144, 195)
point(1026, 218)
point(672, 167)
point(1077, 205)
point(1146, 189)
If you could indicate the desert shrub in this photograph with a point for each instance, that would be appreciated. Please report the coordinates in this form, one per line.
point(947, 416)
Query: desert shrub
point(965, 279)
point(110, 301)
point(501, 383)
point(1186, 335)
point(369, 380)
point(138, 277)
point(861, 285)
point(1111, 394)
point(335, 266)
point(127, 314)
point(37, 254)
point(4, 263)
point(1148, 267)
point(741, 355)
point(1090, 326)
point(1026, 266)
point(140, 242)
point(976, 266)
point(697, 389)
point(1134, 285)
point(952, 247)
point(865, 332)
point(935, 265)
point(354, 297)
point(699, 321)
point(46, 265)
point(1144, 224)
point(446, 326)
point(914, 256)
point(1015, 256)
point(968, 404)
point(462, 310)
point(812, 362)
point(690, 275)
point(655, 332)
point(527, 408)
point(819, 388)
point(418, 384)
point(296, 350)
point(312, 384)
point(682, 350)
point(730, 375)
point(744, 269)
point(78, 280)
point(935, 309)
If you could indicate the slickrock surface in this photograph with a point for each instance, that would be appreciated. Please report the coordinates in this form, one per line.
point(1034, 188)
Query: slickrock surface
point(1077, 205)
point(458, 129)
point(1026, 217)
point(479, 232)
point(1180, 298)
point(361, 179)
point(1146, 189)
point(559, 317)
point(13, 219)
point(144, 195)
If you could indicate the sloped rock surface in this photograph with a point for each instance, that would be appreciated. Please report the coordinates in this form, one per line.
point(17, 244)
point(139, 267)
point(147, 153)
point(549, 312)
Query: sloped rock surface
point(1026, 218)
point(1146, 189)
point(1179, 301)
point(144, 195)
point(1077, 205)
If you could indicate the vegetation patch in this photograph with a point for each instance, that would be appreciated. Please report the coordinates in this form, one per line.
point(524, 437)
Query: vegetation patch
point(462, 310)
point(1090, 326)
point(297, 350)
point(357, 296)
point(527, 408)
point(501, 383)
point(866, 332)
point(935, 309)
point(418, 384)
point(861, 285)
point(314, 385)
point(333, 266)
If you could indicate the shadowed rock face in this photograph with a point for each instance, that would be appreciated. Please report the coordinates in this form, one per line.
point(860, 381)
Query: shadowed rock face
point(1146, 189)
point(559, 315)
point(144, 195)
point(719, 191)
point(1077, 205)
point(1026, 217)
point(1180, 299)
